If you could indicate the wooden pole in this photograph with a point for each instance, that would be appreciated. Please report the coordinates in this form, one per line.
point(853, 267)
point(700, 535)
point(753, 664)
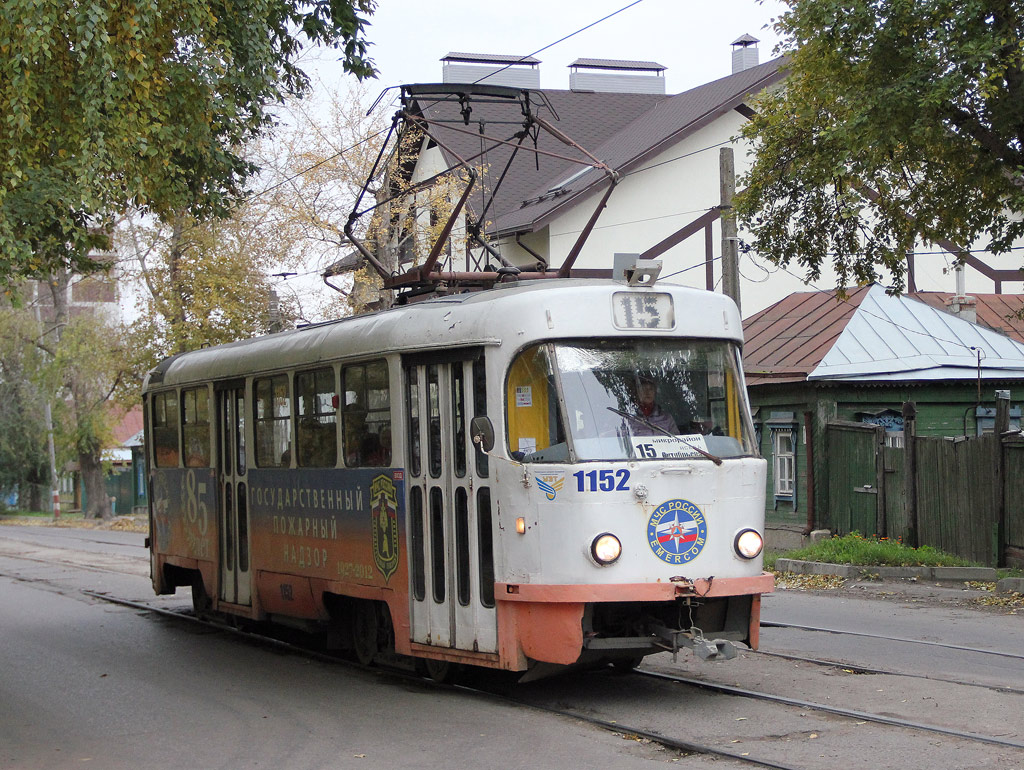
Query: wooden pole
point(910, 470)
point(730, 239)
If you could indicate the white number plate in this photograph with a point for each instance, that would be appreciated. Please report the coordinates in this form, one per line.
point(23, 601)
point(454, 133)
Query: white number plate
point(643, 310)
point(664, 447)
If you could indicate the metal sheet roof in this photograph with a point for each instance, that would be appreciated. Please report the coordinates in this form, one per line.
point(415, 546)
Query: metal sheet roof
point(490, 58)
point(618, 64)
point(870, 336)
point(899, 338)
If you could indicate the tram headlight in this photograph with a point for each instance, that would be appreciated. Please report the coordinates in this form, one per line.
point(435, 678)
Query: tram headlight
point(606, 548)
point(748, 543)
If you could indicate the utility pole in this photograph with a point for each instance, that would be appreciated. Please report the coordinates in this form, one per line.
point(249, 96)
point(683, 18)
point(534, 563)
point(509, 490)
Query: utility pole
point(730, 239)
point(48, 416)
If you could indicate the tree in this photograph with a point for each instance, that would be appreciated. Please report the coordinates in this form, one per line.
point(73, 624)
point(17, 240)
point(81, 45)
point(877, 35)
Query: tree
point(24, 465)
point(899, 123)
point(76, 360)
point(112, 103)
point(200, 283)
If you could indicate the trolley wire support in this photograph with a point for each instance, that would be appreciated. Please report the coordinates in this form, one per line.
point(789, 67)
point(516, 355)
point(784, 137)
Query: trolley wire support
point(426, 277)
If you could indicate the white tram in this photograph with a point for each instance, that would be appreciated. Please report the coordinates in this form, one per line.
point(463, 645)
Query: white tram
point(472, 479)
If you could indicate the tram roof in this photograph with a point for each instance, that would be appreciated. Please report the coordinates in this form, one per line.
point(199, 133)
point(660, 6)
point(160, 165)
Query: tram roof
point(510, 314)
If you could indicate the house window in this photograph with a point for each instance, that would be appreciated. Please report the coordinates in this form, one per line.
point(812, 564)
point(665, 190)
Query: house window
point(784, 465)
point(985, 419)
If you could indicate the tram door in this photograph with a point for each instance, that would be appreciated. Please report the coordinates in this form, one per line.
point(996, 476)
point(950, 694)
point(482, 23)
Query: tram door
point(235, 587)
point(449, 508)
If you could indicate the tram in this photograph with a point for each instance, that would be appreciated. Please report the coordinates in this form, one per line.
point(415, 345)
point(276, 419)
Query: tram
point(472, 479)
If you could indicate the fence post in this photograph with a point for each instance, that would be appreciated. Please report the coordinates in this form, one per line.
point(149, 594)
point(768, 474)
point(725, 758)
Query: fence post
point(910, 469)
point(1002, 425)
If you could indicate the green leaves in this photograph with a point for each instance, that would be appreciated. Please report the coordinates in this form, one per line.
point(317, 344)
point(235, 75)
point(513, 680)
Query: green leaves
point(900, 121)
point(105, 104)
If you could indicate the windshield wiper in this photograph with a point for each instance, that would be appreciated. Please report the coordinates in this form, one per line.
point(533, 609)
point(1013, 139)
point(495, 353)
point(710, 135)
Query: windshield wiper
point(644, 421)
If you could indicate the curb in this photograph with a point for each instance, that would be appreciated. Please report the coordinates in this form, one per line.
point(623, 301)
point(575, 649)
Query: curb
point(853, 571)
point(1010, 586)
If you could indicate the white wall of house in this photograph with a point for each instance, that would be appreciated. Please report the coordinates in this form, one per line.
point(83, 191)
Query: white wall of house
point(672, 191)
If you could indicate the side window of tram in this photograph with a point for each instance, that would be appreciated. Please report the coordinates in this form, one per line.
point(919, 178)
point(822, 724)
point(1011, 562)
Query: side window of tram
point(316, 430)
point(533, 421)
point(273, 422)
point(195, 404)
point(366, 420)
point(165, 430)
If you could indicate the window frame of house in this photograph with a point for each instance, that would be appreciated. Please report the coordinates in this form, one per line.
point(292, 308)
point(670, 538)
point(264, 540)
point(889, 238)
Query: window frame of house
point(784, 424)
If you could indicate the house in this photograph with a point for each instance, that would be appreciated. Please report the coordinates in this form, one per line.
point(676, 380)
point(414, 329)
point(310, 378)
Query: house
point(664, 150)
point(817, 365)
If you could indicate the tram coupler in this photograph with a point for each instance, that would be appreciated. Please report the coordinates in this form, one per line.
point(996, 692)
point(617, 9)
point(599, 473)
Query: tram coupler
point(703, 648)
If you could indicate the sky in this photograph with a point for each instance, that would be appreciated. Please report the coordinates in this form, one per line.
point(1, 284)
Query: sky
point(690, 37)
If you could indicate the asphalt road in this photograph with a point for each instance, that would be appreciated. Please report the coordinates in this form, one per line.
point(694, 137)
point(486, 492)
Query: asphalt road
point(84, 683)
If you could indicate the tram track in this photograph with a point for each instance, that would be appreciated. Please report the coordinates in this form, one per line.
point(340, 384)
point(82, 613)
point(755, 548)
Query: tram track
point(858, 669)
point(615, 726)
point(883, 637)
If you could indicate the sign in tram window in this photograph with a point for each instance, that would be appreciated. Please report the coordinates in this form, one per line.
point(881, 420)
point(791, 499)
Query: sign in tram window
point(533, 420)
point(195, 404)
point(643, 310)
point(366, 420)
point(165, 430)
point(273, 422)
point(316, 400)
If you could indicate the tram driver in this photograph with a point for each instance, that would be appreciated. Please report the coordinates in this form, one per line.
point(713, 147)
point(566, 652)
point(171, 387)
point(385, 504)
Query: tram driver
point(651, 419)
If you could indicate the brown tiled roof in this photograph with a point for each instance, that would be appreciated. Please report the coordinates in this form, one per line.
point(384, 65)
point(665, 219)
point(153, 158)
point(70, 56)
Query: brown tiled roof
point(786, 341)
point(588, 118)
point(128, 423)
point(999, 312)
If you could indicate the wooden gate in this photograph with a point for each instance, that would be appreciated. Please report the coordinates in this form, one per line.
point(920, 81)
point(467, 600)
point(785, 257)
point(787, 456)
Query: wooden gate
point(957, 497)
point(1013, 500)
point(856, 487)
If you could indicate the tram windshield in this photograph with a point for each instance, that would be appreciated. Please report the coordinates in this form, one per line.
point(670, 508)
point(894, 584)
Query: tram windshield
point(628, 399)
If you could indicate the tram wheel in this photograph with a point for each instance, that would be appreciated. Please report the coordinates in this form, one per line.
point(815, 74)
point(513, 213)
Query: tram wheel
point(364, 632)
point(440, 671)
point(202, 604)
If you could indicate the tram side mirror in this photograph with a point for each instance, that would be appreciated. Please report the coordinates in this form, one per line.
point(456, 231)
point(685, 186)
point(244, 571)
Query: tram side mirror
point(482, 431)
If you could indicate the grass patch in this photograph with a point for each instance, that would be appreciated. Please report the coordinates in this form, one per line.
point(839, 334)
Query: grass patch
point(860, 550)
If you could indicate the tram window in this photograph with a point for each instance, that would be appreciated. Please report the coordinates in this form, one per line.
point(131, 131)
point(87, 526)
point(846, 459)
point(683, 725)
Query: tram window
point(240, 429)
point(366, 421)
point(273, 422)
point(486, 546)
point(316, 400)
point(459, 419)
point(433, 421)
point(437, 565)
point(533, 420)
point(462, 582)
point(480, 409)
point(419, 576)
point(165, 430)
point(196, 427)
point(412, 405)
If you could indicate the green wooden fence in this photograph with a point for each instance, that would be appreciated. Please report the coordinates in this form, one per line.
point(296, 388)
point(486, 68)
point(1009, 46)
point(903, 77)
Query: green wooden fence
point(970, 491)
